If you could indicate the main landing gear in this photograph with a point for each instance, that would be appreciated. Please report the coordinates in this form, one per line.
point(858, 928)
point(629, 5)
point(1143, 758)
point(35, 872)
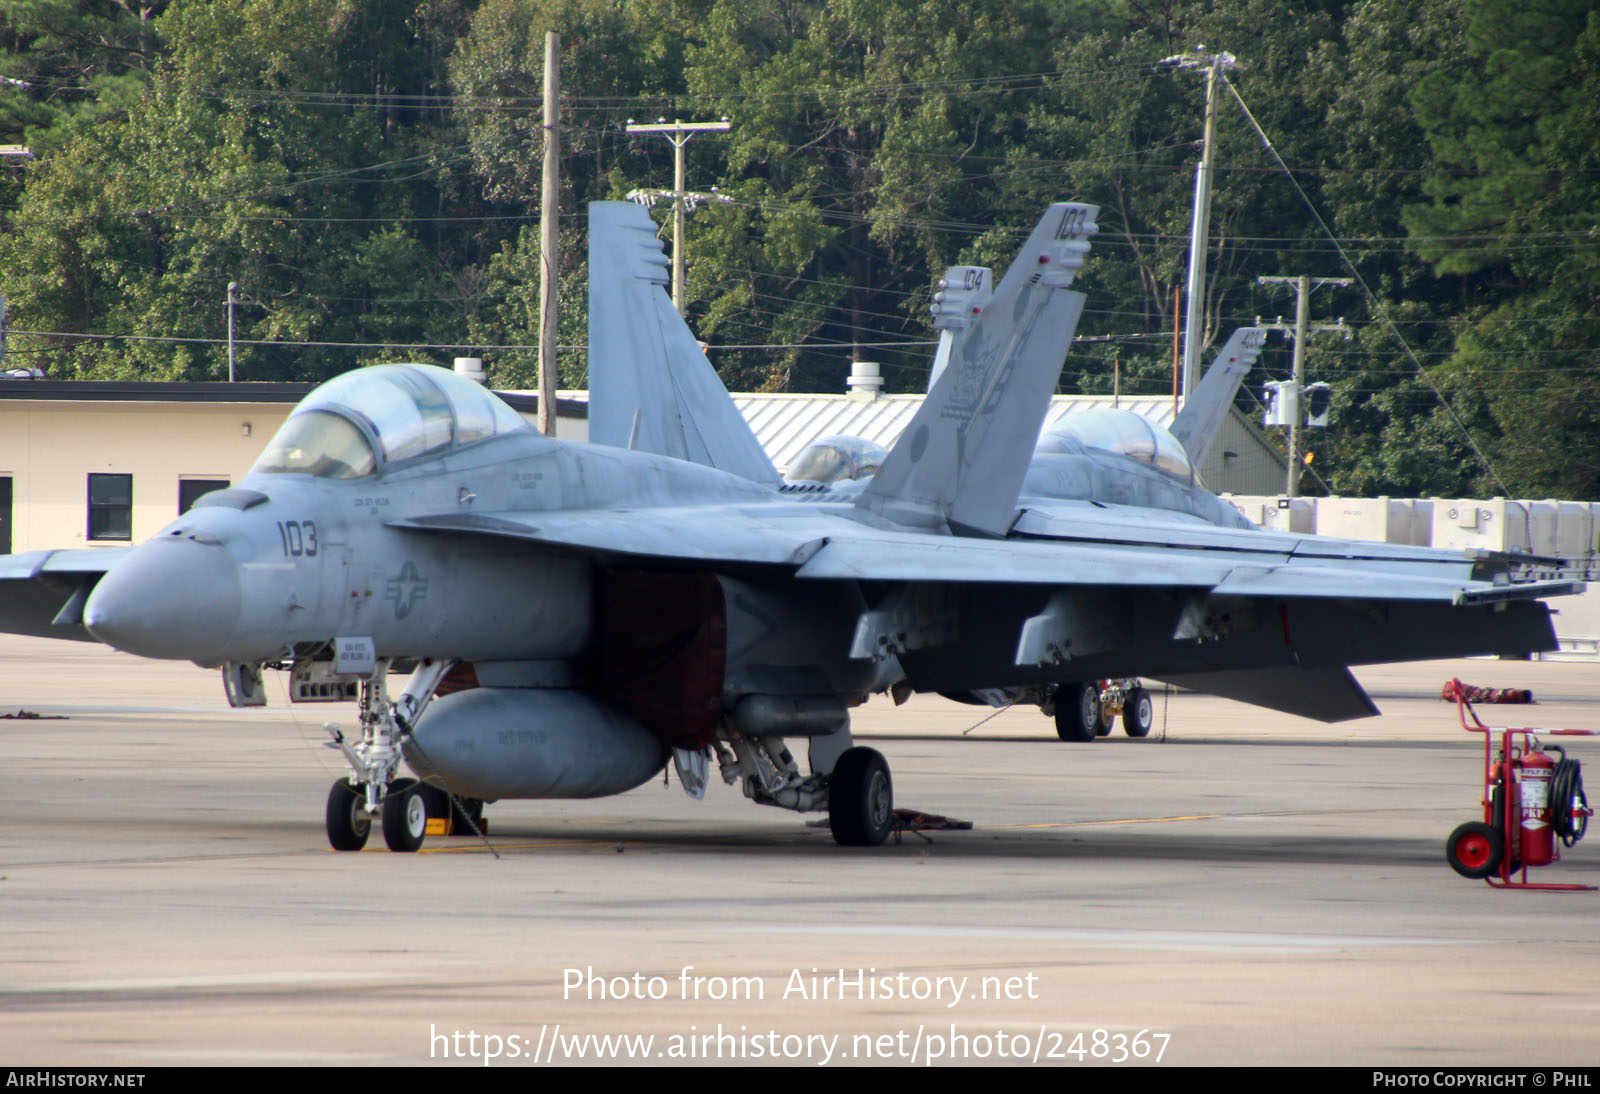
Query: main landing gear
point(1089, 710)
point(857, 793)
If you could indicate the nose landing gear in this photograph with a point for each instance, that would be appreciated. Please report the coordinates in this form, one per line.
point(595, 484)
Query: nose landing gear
point(371, 791)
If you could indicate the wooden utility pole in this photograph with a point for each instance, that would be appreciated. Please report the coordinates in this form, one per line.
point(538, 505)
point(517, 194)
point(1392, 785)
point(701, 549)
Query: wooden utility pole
point(549, 237)
point(1301, 331)
point(678, 132)
point(1215, 66)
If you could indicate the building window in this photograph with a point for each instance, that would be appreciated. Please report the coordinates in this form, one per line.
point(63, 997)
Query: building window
point(192, 490)
point(110, 506)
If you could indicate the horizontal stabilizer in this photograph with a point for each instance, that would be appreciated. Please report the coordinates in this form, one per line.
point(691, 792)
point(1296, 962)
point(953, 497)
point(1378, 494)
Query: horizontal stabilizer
point(1327, 695)
point(962, 460)
point(651, 387)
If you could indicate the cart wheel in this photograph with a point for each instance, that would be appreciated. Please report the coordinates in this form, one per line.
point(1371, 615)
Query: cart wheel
point(1475, 849)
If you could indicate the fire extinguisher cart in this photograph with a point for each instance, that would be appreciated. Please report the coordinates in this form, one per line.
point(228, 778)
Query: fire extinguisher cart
point(1531, 802)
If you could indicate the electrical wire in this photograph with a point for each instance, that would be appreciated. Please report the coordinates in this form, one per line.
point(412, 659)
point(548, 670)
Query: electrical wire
point(1372, 298)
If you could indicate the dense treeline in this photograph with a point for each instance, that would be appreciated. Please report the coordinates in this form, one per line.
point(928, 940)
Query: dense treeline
point(368, 175)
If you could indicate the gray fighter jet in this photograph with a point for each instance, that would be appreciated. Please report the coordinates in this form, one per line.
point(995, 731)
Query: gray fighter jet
point(577, 616)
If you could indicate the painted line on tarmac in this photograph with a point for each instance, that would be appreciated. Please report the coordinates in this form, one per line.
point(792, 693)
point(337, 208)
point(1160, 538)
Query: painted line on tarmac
point(1097, 823)
point(1204, 816)
point(1169, 941)
point(224, 980)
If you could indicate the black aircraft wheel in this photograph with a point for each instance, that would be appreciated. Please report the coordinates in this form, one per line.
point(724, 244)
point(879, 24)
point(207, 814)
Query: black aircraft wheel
point(1474, 850)
point(860, 799)
point(348, 822)
point(405, 816)
point(435, 800)
point(1078, 712)
point(1138, 713)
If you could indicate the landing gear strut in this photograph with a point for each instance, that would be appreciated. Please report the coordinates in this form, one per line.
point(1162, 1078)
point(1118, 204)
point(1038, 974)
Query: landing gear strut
point(372, 791)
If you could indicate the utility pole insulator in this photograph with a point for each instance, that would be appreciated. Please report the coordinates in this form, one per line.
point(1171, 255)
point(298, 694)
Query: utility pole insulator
point(683, 199)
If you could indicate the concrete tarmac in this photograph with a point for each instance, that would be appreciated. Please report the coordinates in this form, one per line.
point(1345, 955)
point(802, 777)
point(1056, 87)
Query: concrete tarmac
point(1252, 889)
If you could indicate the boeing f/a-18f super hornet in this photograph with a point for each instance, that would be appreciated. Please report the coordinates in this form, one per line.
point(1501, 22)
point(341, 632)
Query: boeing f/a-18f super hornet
point(577, 616)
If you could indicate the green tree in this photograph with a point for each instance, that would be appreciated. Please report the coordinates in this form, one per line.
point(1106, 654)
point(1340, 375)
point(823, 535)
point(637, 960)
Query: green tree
point(864, 136)
point(1509, 216)
point(301, 185)
point(70, 60)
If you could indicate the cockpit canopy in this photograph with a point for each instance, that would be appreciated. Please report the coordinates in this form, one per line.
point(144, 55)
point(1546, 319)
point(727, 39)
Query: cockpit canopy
point(386, 412)
point(1120, 432)
point(836, 459)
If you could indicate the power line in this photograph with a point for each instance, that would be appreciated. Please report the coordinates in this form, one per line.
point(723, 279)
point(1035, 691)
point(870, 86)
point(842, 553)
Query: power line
point(1372, 298)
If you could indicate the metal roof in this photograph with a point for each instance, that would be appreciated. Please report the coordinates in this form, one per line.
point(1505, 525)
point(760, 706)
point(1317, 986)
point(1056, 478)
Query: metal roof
point(785, 424)
point(1243, 461)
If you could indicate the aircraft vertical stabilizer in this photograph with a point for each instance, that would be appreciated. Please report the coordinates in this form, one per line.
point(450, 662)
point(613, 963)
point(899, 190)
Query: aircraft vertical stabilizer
point(964, 291)
point(964, 456)
point(651, 387)
point(1201, 418)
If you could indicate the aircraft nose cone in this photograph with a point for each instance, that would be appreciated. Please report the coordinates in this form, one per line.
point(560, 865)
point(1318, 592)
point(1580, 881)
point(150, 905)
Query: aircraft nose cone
point(171, 598)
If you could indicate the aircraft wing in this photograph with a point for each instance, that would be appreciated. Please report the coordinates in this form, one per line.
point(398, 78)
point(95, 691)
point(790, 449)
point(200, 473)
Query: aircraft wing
point(1280, 564)
point(814, 544)
point(820, 546)
point(42, 592)
point(817, 545)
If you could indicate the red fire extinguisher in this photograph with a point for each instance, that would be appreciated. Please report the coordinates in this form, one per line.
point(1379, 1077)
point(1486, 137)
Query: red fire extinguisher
point(1537, 839)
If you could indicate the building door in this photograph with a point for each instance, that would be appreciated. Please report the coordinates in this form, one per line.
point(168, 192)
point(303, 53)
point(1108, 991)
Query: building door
point(5, 515)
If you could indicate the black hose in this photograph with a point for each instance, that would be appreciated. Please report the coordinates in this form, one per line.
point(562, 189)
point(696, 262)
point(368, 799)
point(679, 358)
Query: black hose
point(1568, 805)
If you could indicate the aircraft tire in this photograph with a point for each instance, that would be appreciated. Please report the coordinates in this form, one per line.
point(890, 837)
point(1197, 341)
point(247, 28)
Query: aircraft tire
point(860, 799)
point(405, 816)
point(1475, 849)
point(348, 823)
point(1078, 712)
point(1138, 713)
